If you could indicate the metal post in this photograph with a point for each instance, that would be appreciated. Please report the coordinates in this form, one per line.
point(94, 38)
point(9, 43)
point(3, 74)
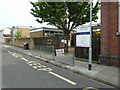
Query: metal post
point(90, 48)
point(13, 37)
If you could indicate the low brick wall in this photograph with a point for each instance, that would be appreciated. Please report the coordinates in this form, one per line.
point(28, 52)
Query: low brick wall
point(20, 42)
point(109, 60)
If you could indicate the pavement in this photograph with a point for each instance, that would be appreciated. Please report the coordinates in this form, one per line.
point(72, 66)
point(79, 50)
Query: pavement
point(105, 74)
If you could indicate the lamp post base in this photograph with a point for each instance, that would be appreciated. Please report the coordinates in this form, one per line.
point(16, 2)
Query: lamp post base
point(90, 67)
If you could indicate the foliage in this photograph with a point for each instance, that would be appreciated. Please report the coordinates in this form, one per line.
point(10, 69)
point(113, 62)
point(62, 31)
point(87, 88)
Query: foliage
point(64, 15)
point(18, 34)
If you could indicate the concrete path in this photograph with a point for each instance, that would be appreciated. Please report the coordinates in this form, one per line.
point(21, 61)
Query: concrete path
point(105, 74)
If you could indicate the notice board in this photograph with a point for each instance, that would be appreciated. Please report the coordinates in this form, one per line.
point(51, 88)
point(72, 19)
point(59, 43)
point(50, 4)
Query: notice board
point(83, 39)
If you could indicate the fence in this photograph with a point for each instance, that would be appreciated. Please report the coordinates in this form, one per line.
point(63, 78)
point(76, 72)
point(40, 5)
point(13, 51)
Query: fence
point(51, 42)
point(54, 48)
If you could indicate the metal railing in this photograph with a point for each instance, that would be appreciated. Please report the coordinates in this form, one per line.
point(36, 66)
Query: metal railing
point(56, 53)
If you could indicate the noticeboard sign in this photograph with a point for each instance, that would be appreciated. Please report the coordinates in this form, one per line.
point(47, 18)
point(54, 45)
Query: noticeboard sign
point(83, 39)
point(59, 52)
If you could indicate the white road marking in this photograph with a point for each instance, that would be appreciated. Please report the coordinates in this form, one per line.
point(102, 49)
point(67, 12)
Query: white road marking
point(18, 55)
point(37, 56)
point(24, 59)
point(45, 69)
point(14, 54)
point(41, 67)
point(61, 77)
point(32, 64)
point(9, 52)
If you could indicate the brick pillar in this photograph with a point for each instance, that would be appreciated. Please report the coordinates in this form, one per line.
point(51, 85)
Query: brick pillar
point(110, 43)
point(31, 43)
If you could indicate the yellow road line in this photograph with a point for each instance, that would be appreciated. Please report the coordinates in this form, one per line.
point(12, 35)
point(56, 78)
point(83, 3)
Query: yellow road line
point(24, 59)
point(47, 69)
point(65, 79)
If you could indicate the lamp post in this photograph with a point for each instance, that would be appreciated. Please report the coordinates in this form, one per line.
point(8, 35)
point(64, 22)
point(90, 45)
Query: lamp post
point(90, 48)
point(13, 38)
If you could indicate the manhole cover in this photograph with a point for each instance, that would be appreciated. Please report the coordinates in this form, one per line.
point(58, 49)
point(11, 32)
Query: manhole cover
point(90, 88)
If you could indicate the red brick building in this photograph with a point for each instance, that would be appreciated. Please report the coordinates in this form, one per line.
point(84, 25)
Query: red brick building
point(110, 33)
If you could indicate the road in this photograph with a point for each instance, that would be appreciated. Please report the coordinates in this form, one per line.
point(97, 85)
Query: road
point(22, 71)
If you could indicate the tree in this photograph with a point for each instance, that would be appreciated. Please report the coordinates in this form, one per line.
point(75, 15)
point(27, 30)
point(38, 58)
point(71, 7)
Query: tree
point(64, 15)
point(18, 34)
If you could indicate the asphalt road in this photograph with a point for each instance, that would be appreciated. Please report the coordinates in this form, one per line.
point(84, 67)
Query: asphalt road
point(22, 71)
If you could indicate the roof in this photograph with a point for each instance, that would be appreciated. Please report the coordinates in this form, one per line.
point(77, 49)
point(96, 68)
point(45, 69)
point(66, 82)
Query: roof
point(83, 28)
point(6, 30)
point(24, 27)
point(45, 29)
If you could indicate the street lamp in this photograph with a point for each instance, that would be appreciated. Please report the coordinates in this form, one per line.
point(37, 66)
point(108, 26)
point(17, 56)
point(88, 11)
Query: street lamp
point(13, 38)
point(90, 48)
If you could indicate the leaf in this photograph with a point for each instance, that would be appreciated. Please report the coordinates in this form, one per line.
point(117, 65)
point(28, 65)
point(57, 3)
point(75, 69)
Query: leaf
point(64, 15)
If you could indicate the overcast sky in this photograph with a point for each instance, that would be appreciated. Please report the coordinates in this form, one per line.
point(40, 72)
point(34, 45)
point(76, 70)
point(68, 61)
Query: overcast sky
point(17, 13)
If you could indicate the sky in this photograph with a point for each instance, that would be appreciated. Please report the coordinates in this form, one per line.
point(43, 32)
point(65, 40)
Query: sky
point(17, 13)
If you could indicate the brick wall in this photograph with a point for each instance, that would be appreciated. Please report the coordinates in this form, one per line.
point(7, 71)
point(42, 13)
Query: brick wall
point(25, 32)
point(36, 34)
point(20, 42)
point(110, 50)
